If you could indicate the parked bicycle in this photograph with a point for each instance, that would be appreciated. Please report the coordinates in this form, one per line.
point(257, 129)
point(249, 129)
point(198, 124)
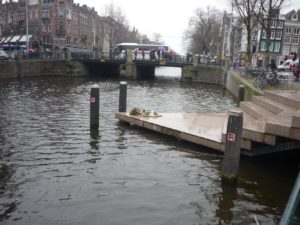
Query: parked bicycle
point(253, 71)
point(268, 78)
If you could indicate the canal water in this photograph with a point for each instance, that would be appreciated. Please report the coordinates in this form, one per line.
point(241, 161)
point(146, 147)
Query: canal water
point(61, 172)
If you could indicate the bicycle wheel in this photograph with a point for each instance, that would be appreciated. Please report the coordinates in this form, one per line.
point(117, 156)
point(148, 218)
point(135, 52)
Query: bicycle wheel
point(257, 82)
point(263, 83)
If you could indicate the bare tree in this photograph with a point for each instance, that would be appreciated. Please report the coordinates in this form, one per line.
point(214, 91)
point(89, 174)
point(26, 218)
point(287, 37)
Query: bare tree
point(157, 38)
point(204, 30)
point(247, 9)
point(115, 27)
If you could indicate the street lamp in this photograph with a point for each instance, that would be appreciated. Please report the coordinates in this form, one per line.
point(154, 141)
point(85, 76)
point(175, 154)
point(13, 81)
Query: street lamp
point(26, 17)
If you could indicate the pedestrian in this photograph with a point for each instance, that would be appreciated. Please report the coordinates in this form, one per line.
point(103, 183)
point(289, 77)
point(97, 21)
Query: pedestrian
point(143, 54)
point(295, 56)
point(296, 71)
point(272, 65)
point(171, 54)
point(158, 54)
point(135, 53)
point(166, 55)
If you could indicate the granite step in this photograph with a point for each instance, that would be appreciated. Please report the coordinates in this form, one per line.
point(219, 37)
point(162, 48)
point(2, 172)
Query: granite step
point(288, 98)
point(282, 126)
point(271, 105)
point(255, 110)
point(254, 130)
point(296, 120)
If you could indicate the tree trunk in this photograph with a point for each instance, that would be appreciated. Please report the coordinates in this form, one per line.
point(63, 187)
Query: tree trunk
point(249, 45)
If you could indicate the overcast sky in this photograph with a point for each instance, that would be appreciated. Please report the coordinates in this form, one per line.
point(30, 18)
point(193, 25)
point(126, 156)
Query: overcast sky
point(167, 17)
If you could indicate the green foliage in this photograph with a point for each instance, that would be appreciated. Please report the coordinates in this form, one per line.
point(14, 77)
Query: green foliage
point(135, 112)
point(143, 112)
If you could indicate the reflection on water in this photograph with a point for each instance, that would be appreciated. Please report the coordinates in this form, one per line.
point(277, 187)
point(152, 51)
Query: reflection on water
point(63, 172)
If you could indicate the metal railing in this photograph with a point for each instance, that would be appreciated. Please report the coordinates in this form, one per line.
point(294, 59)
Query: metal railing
point(89, 55)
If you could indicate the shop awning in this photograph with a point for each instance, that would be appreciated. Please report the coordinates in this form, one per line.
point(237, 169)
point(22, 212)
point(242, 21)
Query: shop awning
point(6, 40)
point(15, 38)
point(23, 38)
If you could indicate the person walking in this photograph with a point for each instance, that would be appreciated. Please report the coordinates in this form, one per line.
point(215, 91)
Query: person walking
point(143, 54)
point(296, 71)
point(135, 53)
point(158, 54)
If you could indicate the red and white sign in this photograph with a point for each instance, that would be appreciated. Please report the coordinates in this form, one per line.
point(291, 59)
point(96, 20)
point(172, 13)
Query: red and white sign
point(93, 99)
point(231, 137)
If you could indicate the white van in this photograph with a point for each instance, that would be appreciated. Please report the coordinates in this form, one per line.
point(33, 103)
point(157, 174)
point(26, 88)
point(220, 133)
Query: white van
point(287, 65)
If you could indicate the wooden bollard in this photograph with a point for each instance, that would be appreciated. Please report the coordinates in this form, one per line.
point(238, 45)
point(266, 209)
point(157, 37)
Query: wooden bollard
point(123, 97)
point(232, 150)
point(241, 93)
point(94, 106)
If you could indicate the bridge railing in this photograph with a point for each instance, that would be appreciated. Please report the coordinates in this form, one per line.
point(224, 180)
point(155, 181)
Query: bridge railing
point(209, 61)
point(96, 55)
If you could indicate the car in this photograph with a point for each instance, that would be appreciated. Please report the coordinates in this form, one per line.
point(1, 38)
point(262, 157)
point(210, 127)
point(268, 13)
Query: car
point(287, 65)
point(3, 55)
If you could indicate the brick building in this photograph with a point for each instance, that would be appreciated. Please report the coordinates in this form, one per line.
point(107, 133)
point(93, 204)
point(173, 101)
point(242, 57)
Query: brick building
point(291, 40)
point(53, 25)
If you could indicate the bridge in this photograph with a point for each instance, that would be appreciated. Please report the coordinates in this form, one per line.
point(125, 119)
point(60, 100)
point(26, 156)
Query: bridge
point(97, 64)
point(137, 67)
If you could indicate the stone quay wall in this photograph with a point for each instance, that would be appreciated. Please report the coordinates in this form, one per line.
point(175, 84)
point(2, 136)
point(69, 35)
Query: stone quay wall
point(219, 75)
point(204, 74)
point(233, 80)
point(30, 68)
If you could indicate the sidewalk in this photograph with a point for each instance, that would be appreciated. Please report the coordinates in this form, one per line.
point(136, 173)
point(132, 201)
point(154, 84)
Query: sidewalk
point(296, 85)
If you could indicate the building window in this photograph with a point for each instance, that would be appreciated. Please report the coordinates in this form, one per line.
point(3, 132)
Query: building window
point(271, 47)
point(61, 13)
point(287, 40)
point(278, 35)
point(46, 14)
point(48, 1)
point(49, 28)
point(46, 39)
point(295, 17)
point(296, 30)
point(277, 46)
point(263, 46)
point(264, 34)
point(295, 41)
point(286, 50)
point(294, 49)
point(273, 23)
point(69, 14)
point(288, 30)
point(68, 40)
point(272, 34)
point(280, 24)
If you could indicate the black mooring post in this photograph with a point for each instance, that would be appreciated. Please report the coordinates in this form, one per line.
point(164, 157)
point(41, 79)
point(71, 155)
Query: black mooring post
point(241, 93)
point(123, 97)
point(94, 106)
point(232, 150)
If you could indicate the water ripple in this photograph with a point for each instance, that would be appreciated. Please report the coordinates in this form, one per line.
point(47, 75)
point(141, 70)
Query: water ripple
point(64, 173)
